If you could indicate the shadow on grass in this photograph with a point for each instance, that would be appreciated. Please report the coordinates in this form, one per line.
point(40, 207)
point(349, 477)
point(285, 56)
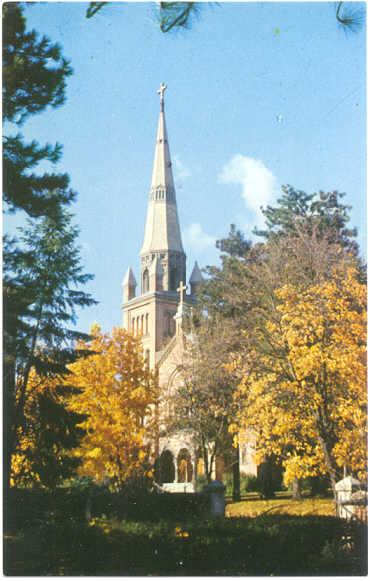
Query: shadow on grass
point(267, 545)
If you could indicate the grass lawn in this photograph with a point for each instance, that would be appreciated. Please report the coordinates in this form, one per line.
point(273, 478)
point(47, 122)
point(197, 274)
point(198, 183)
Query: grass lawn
point(304, 507)
point(300, 539)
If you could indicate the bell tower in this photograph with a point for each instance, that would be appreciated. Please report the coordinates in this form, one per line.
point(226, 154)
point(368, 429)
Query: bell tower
point(151, 312)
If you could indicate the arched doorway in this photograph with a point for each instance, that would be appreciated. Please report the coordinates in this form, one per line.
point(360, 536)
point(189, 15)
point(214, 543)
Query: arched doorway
point(165, 469)
point(184, 466)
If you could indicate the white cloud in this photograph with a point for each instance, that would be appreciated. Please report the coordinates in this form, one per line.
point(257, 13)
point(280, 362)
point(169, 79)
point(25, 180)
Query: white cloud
point(196, 238)
point(181, 172)
point(257, 181)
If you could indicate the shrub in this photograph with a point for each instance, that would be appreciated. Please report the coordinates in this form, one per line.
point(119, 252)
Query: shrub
point(252, 483)
point(201, 482)
point(228, 482)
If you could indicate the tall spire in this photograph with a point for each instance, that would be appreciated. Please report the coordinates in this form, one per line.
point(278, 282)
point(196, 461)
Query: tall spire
point(162, 229)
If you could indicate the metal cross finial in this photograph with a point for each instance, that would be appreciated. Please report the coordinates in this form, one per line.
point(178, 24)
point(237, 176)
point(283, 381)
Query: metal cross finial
point(181, 290)
point(161, 91)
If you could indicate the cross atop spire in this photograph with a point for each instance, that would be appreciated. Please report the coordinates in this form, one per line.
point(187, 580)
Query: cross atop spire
point(162, 229)
point(181, 290)
point(160, 92)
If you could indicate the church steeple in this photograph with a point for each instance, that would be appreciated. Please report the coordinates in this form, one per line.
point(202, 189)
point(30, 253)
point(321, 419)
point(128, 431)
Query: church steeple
point(162, 237)
point(151, 311)
point(162, 178)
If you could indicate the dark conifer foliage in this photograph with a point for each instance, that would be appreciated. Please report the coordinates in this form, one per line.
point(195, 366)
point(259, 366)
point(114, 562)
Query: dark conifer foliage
point(171, 15)
point(36, 194)
point(323, 212)
point(34, 69)
point(52, 431)
point(41, 283)
point(34, 77)
point(42, 269)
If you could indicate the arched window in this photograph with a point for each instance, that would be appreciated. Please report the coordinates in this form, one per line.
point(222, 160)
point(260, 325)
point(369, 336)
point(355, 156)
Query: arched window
point(147, 324)
point(173, 279)
point(142, 324)
point(170, 324)
point(184, 466)
point(146, 281)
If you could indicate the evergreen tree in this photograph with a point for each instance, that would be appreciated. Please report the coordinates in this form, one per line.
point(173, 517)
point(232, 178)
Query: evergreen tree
point(219, 293)
point(171, 15)
point(45, 443)
point(34, 77)
point(43, 269)
point(322, 212)
point(174, 15)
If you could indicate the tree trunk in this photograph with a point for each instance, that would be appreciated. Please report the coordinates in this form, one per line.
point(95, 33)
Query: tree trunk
point(8, 422)
point(206, 465)
point(322, 425)
point(236, 476)
point(296, 489)
point(330, 465)
point(88, 506)
point(211, 465)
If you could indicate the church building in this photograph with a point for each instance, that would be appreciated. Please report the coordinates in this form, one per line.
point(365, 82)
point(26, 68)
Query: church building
point(154, 308)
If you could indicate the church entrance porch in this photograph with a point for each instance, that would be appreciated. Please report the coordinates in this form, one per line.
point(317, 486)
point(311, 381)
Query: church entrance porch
point(175, 472)
point(184, 467)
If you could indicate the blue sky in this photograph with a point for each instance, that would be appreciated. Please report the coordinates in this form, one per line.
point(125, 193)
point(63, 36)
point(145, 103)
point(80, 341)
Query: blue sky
point(259, 95)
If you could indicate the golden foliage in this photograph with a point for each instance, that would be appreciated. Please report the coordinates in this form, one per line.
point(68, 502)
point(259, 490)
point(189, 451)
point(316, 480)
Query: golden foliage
point(304, 393)
point(117, 396)
point(39, 457)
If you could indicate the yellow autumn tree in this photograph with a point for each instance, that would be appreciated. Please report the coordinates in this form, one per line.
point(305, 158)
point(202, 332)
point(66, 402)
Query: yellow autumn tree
point(47, 434)
point(116, 394)
point(304, 392)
